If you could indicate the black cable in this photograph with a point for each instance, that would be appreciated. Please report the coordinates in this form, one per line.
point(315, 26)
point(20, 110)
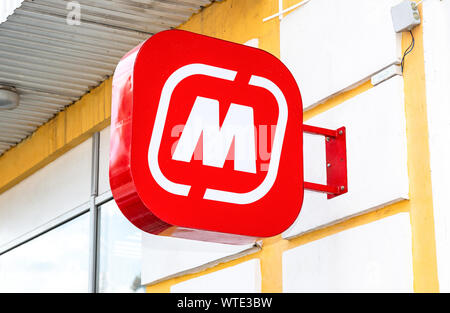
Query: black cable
point(408, 50)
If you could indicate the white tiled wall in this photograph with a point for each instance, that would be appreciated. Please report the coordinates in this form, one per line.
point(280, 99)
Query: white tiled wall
point(244, 277)
point(332, 45)
point(376, 257)
point(376, 157)
point(165, 257)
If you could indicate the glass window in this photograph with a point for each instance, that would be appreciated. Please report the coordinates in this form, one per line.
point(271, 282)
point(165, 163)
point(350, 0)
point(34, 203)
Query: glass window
point(56, 261)
point(103, 162)
point(55, 189)
point(120, 252)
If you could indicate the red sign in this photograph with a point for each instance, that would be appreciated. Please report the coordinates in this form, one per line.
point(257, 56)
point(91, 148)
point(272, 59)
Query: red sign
point(206, 135)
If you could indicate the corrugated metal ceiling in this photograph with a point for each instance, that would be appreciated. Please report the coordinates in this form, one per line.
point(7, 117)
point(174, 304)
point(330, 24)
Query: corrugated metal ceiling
point(52, 64)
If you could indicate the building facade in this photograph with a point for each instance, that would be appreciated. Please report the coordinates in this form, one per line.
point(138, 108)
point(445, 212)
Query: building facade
point(60, 229)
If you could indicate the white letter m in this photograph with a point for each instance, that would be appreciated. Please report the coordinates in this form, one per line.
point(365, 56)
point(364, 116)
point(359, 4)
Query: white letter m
point(217, 141)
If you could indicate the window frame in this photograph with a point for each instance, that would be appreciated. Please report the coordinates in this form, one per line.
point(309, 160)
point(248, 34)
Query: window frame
point(91, 206)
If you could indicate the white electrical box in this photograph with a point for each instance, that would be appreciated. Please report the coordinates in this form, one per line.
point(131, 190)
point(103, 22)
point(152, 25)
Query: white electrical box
point(405, 16)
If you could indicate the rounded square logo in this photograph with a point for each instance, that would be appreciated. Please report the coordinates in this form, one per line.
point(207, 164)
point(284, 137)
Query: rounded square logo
point(206, 134)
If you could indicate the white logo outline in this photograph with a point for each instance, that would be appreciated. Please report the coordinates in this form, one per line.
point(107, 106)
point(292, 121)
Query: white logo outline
point(161, 116)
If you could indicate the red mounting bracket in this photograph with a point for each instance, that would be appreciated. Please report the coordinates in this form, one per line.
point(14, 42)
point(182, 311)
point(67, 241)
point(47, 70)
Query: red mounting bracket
point(336, 157)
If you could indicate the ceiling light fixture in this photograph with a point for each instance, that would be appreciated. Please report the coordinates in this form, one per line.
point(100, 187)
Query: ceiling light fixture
point(9, 98)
